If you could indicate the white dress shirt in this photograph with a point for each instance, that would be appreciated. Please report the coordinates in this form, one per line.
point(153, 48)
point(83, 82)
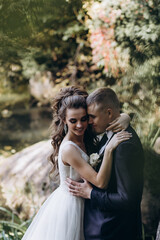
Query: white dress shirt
point(109, 135)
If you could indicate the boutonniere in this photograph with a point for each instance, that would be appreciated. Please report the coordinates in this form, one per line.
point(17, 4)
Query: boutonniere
point(94, 159)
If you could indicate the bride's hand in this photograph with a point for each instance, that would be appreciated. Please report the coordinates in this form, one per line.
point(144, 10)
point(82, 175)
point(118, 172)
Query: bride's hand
point(120, 123)
point(117, 139)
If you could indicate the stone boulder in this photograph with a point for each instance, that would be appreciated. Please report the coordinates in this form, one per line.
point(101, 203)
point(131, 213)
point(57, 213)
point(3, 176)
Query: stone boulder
point(25, 181)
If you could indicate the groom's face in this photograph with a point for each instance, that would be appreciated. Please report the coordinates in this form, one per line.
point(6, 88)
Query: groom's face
point(99, 117)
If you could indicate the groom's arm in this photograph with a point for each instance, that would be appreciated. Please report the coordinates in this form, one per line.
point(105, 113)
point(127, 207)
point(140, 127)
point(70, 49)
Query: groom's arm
point(128, 167)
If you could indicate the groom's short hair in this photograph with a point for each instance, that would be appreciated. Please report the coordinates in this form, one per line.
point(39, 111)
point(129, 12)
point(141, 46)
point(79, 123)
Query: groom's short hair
point(105, 97)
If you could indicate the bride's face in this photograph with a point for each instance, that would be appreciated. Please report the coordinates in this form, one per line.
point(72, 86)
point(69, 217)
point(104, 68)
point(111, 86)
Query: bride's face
point(76, 120)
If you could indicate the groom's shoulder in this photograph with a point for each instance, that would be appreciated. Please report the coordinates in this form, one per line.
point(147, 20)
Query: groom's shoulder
point(130, 129)
point(133, 131)
point(135, 140)
point(132, 146)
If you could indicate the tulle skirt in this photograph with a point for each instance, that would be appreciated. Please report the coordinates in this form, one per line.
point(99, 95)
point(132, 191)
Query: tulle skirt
point(59, 218)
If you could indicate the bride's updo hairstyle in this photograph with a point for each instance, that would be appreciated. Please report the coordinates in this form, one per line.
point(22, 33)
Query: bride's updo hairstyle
point(67, 98)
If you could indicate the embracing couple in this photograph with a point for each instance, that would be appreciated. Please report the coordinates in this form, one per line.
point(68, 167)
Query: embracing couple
point(88, 130)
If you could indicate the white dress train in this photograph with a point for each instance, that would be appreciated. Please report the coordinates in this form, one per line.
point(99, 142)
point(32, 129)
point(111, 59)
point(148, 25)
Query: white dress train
point(61, 215)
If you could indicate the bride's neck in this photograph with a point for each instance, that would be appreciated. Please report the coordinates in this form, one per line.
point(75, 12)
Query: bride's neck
point(74, 138)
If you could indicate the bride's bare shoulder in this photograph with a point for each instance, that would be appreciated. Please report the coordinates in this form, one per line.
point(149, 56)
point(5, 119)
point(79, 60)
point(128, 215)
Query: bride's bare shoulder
point(69, 148)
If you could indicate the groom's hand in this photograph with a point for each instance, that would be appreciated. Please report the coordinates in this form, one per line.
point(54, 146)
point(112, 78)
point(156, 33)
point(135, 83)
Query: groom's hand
point(79, 189)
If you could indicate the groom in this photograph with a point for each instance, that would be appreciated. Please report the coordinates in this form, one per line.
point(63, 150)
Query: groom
point(113, 213)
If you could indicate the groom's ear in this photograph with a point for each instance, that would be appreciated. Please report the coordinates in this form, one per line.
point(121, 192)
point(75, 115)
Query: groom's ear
point(109, 113)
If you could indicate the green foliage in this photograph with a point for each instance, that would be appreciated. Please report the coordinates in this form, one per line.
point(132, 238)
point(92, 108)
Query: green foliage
point(24, 18)
point(35, 23)
point(152, 166)
point(125, 41)
point(11, 226)
point(57, 36)
point(152, 160)
point(44, 36)
point(138, 29)
point(124, 34)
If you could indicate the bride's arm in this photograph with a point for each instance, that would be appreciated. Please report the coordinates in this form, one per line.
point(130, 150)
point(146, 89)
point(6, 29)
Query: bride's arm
point(120, 123)
point(71, 156)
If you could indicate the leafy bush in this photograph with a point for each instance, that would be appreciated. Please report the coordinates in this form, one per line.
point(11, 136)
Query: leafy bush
point(11, 226)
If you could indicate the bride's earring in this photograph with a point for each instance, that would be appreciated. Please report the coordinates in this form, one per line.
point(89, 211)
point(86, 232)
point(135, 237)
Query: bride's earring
point(65, 128)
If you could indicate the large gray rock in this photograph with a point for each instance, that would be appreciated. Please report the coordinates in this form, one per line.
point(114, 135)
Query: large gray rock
point(25, 180)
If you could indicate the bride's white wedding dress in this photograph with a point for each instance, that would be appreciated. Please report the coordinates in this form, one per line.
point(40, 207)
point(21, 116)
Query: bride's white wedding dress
point(61, 215)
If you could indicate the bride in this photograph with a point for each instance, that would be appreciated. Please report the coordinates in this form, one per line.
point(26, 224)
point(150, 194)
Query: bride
point(61, 215)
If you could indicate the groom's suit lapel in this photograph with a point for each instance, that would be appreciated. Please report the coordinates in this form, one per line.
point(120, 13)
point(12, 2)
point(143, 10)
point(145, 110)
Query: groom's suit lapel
point(102, 142)
point(101, 155)
point(108, 140)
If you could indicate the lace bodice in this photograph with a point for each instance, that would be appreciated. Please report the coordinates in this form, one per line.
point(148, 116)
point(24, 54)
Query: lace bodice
point(68, 171)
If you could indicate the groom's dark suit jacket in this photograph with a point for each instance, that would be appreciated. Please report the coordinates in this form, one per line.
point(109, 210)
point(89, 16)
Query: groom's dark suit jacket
point(114, 213)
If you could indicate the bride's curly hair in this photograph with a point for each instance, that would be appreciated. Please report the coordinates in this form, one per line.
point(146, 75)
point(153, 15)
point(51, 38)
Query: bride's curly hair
point(67, 98)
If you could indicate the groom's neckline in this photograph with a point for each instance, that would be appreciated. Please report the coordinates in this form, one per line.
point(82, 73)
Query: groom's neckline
point(109, 136)
point(108, 133)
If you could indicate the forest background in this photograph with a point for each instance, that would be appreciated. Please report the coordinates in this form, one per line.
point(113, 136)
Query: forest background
point(46, 45)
